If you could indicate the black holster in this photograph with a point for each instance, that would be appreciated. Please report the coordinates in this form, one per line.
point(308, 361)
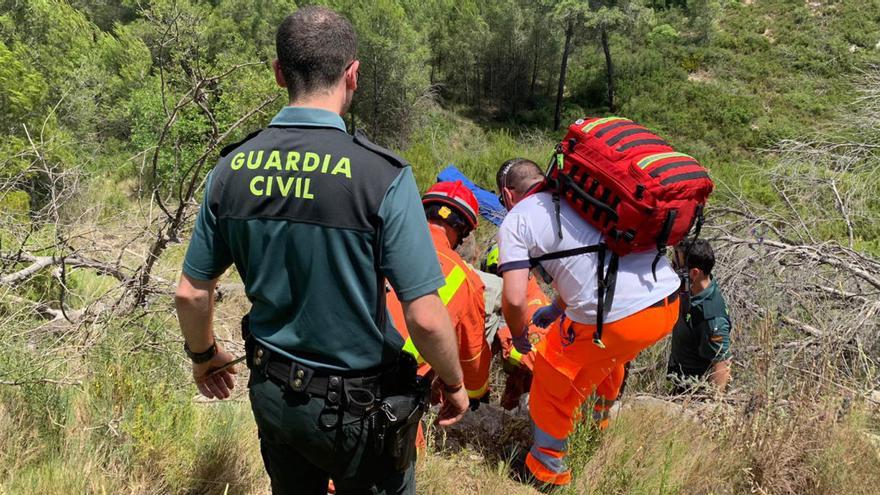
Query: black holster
point(396, 425)
point(248, 341)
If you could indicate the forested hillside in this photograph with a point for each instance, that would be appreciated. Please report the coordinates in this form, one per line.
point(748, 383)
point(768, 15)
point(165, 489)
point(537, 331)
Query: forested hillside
point(112, 114)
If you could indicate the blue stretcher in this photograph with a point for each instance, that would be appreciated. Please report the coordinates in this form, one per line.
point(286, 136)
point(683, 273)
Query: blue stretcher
point(490, 208)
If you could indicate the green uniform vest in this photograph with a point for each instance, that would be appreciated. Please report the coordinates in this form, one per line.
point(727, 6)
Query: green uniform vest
point(702, 334)
point(315, 220)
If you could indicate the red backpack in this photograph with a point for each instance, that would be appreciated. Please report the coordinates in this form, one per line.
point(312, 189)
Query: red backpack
point(629, 184)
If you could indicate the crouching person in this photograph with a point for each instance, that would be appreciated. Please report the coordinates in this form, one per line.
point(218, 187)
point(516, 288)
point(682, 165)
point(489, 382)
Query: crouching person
point(451, 210)
point(701, 337)
point(569, 364)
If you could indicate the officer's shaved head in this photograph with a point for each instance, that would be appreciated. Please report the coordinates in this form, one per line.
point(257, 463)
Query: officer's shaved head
point(518, 174)
point(699, 255)
point(315, 45)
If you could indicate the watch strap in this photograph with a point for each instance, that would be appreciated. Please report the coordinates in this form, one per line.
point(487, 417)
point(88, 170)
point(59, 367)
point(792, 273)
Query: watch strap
point(201, 357)
point(451, 389)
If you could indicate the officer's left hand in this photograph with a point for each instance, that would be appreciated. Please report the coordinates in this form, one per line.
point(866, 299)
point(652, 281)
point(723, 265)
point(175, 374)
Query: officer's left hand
point(217, 385)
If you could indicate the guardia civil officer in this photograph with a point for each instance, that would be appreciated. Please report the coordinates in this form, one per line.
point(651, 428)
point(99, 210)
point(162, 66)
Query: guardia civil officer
point(701, 338)
point(315, 221)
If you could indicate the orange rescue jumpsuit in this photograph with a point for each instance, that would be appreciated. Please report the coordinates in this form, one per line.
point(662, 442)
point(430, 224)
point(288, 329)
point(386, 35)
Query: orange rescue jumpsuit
point(463, 297)
point(520, 367)
point(569, 367)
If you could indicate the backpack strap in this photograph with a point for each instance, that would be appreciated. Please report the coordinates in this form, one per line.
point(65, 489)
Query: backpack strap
point(607, 279)
point(557, 208)
point(607, 283)
point(594, 248)
point(662, 239)
point(558, 159)
point(699, 215)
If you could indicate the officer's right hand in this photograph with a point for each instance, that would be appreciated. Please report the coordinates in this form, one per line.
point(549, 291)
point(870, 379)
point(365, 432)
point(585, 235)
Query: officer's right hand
point(215, 385)
point(453, 405)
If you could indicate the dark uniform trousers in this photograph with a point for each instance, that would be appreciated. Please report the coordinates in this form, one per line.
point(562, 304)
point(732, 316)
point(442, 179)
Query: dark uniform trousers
point(301, 456)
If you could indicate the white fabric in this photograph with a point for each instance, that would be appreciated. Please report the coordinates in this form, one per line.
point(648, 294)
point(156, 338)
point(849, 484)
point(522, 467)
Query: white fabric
point(492, 285)
point(529, 230)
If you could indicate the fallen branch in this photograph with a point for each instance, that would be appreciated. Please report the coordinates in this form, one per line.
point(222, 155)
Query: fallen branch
point(40, 262)
point(812, 252)
point(26, 273)
point(46, 311)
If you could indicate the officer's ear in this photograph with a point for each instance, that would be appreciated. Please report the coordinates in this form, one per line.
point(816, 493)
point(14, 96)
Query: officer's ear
point(351, 75)
point(696, 274)
point(279, 76)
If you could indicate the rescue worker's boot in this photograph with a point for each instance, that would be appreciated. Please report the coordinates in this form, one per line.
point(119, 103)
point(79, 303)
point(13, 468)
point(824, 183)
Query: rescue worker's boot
point(521, 473)
point(545, 461)
point(518, 382)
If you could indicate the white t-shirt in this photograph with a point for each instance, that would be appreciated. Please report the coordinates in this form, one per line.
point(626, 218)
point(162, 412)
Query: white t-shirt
point(529, 231)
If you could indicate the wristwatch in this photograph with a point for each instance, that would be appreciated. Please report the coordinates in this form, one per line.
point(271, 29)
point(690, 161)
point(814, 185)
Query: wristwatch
point(201, 357)
point(451, 389)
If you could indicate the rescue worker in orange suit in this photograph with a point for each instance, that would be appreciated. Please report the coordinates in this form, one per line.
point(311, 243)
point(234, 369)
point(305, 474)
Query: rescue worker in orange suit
point(569, 365)
point(451, 209)
point(518, 366)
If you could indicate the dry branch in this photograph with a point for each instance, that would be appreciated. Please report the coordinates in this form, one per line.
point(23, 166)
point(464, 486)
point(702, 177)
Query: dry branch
point(40, 262)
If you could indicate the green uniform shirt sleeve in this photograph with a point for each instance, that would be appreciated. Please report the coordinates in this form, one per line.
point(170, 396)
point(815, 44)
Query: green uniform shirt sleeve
point(208, 255)
point(715, 343)
point(409, 260)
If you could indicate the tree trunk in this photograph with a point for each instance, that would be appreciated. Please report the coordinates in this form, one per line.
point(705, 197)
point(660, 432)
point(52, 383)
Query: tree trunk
point(569, 31)
point(609, 69)
point(534, 67)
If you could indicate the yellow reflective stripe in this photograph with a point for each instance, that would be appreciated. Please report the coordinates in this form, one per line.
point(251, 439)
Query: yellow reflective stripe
point(592, 125)
point(476, 394)
point(410, 347)
point(515, 357)
point(453, 282)
point(476, 356)
point(648, 160)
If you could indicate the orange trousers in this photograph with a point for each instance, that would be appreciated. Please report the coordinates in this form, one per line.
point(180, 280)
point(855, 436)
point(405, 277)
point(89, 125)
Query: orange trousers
point(607, 393)
point(568, 371)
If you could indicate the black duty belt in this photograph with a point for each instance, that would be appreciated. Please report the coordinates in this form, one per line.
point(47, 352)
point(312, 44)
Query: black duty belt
point(358, 395)
point(671, 298)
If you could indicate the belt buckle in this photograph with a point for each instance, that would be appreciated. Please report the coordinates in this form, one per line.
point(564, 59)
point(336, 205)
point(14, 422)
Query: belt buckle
point(299, 377)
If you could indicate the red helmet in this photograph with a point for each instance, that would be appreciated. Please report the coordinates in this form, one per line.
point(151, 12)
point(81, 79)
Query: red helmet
point(458, 197)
